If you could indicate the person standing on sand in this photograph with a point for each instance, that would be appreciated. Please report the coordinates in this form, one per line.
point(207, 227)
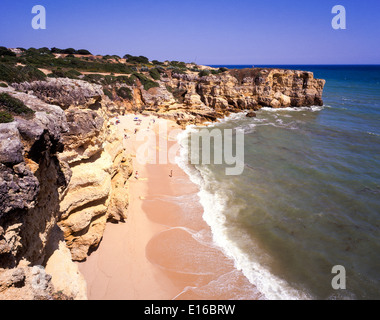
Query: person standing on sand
point(171, 173)
point(137, 175)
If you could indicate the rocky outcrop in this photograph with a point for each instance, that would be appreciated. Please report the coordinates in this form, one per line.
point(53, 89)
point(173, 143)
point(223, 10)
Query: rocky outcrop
point(242, 89)
point(31, 178)
point(251, 114)
point(63, 168)
point(97, 191)
point(64, 92)
point(94, 159)
point(189, 98)
point(276, 88)
point(27, 283)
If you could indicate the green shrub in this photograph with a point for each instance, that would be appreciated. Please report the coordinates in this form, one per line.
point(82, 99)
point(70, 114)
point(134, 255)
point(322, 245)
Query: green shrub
point(127, 80)
point(155, 74)
point(72, 74)
point(5, 52)
point(147, 83)
point(134, 59)
point(150, 84)
point(124, 93)
point(178, 64)
point(203, 73)
point(11, 74)
point(220, 70)
point(43, 50)
point(69, 51)
point(178, 71)
point(94, 78)
point(5, 117)
point(83, 51)
point(108, 79)
point(108, 57)
point(56, 50)
point(156, 62)
point(108, 93)
point(3, 85)
point(59, 73)
point(14, 105)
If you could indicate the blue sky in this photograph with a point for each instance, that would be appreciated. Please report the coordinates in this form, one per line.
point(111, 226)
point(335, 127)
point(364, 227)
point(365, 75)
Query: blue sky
point(203, 31)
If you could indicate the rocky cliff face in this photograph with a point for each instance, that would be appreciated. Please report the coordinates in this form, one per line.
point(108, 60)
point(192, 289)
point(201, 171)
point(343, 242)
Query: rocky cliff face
point(59, 168)
point(189, 98)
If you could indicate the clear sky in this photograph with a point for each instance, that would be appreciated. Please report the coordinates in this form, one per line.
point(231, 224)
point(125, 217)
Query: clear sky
point(203, 31)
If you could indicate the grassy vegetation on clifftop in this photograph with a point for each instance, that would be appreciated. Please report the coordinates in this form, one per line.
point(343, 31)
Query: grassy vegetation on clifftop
point(10, 106)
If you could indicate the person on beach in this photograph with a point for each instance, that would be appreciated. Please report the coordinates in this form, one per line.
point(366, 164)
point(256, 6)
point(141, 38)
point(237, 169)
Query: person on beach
point(171, 173)
point(137, 175)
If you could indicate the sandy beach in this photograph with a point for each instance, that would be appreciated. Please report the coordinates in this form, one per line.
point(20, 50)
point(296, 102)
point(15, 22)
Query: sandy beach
point(164, 250)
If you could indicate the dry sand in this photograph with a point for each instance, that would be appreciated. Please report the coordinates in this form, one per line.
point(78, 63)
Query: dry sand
point(164, 250)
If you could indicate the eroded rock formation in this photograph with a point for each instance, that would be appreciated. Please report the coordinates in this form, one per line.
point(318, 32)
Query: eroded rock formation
point(189, 98)
point(58, 168)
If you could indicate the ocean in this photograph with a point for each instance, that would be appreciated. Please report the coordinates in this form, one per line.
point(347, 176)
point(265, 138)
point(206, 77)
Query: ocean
point(309, 196)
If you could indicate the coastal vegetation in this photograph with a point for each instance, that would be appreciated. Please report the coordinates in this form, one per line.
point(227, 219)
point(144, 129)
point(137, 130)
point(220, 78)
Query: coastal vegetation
point(110, 71)
point(19, 73)
point(10, 106)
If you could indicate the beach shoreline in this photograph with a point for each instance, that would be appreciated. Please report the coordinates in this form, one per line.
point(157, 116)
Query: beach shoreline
point(164, 250)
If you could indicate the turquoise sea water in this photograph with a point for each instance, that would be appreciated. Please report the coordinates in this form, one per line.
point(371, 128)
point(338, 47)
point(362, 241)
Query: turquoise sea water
point(309, 196)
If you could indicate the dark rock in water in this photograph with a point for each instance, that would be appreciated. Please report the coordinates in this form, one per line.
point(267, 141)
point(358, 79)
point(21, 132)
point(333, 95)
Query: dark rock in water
point(251, 114)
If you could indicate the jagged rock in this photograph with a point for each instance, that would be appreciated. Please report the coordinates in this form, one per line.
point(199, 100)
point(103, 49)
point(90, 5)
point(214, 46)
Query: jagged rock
point(65, 275)
point(40, 184)
point(64, 92)
point(158, 96)
point(90, 182)
point(24, 143)
point(97, 192)
point(249, 88)
point(11, 148)
point(84, 137)
point(251, 114)
point(25, 283)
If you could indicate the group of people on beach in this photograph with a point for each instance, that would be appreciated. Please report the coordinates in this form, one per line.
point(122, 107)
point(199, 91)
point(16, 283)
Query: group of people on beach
point(138, 122)
point(137, 174)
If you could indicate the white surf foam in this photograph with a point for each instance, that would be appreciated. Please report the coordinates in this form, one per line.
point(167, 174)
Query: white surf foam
point(311, 108)
point(214, 205)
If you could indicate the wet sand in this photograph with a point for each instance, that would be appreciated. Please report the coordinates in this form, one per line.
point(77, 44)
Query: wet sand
point(164, 250)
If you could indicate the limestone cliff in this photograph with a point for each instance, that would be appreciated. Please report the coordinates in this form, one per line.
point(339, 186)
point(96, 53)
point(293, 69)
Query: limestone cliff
point(211, 96)
point(62, 167)
point(191, 98)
